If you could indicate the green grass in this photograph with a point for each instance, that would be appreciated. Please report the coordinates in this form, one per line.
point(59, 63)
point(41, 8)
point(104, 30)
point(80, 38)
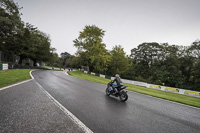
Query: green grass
point(193, 101)
point(51, 67)
point(8, 77)
point(55, 68)
point(47, 67)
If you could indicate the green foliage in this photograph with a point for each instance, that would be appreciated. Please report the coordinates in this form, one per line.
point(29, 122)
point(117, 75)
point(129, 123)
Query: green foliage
point(64, 56)
point(21, 39)
point(36, 45)
point(162, 64)
point(91, 50)
point(55, 60)
point(11, 26)
point(119, 61)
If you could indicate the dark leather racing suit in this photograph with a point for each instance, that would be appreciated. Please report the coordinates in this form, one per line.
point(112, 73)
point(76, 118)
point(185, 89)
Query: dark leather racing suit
point(118, 81)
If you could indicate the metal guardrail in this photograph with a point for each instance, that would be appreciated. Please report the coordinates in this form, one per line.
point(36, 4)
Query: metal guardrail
point(153, 86)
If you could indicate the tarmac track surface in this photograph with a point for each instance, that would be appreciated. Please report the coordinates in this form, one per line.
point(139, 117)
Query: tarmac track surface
point(103, 114)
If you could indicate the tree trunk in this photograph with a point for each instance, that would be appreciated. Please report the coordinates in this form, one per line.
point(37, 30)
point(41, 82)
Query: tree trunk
point(34, 62)
point(20, 60)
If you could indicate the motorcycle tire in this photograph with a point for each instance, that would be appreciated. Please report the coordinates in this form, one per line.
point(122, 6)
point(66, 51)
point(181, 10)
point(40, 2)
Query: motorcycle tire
point(123, 96)
point(108, 92)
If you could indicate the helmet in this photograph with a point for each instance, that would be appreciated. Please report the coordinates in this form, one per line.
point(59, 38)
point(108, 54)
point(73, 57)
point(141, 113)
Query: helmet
point(116, 75)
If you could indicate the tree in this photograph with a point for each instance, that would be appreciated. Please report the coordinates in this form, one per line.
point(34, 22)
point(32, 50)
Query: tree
point(64, 56)
point(195, 77)
point(119, 61)
point(91, 49)
point(35, 45)
point(41, 49)
point(157, 63)
point(192, 64)
point(54, 61)
point(195, 49)
point(21, 39)
point(11, 27)
point(145, 55)
point(26, 43)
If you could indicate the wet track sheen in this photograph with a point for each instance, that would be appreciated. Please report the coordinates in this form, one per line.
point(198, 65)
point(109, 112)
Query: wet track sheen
point(103, 114)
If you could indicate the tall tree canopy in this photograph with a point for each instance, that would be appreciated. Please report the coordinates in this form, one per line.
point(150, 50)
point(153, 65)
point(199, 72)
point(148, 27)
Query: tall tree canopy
point(119, 61)
point(169, 65)
point(11, 26)
point(64, 56)
point(23, 40)
point(92, 49)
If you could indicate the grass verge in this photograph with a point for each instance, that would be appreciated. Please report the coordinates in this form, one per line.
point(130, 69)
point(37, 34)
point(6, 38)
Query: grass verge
point(48, 67)
point(53, 68)
point(11, 76)
point(193, 101)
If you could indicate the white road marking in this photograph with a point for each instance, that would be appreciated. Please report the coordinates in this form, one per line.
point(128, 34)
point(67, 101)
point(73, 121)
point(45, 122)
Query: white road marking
point(65, 72)
point(15, 84)
point(31, 74)
point(67, 112)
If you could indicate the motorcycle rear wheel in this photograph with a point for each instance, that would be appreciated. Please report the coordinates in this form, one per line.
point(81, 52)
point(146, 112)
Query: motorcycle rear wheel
point(123, 96)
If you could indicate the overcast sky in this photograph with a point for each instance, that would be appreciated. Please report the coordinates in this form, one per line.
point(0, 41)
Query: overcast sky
point(126, 22)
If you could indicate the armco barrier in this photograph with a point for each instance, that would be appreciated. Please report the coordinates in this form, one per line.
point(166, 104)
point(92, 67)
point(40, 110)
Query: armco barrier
point(172, 89)
point(140, 83)
point(85, 72)
point(181, 91)
point(92, 73)
point(112, 78)
point(153, 86)
point(127, 81)
point(193, 93)
point(102, 76)
point(3, 66)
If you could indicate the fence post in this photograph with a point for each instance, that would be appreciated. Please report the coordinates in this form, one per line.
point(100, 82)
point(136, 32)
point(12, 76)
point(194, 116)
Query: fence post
point(1, 67)
point(0, 55)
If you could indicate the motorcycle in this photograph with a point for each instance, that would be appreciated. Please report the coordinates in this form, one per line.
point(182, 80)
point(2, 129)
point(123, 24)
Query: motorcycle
point(117, 92)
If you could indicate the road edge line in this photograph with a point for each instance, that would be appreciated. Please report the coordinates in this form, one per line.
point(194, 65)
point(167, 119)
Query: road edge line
point(3, 88)
point(65, 72)
point(31, 74)
point(6, 87)
point(67, 112)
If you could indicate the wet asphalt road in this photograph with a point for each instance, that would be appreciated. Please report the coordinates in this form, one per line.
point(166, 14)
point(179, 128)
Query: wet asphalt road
point(103, 114)
point(25, 108)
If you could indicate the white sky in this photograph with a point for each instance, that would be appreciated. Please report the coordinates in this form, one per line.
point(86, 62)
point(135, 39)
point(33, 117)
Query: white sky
point(126, 22)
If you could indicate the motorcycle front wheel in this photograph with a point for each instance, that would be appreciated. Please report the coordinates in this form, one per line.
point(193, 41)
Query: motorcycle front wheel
point(123, 96)
point(107, 92)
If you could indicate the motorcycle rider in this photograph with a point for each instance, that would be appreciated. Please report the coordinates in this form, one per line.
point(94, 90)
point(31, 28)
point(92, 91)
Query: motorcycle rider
point(118, 81)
